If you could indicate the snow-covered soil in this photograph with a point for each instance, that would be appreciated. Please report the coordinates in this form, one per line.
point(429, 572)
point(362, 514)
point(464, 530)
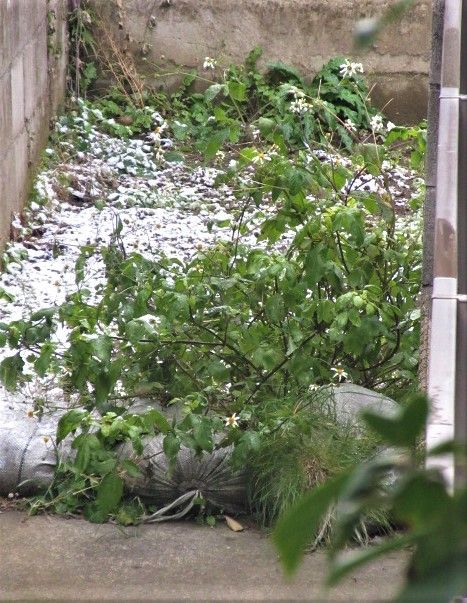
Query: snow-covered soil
point(163, 207)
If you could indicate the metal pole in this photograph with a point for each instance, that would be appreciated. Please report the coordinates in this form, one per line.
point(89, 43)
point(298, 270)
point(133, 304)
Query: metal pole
point(460, 416)
point(442, 362)
point(430, 197)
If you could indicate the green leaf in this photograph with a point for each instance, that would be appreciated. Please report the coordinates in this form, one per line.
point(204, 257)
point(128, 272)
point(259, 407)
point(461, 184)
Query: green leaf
point(171, 446)
point(274, 308)
point(104, 466)
point(349, 561)
point(85, 444)
point(131, 468)
point(180, 130)
point(444, 582)
point(69, 422)
point(266, 356)
point(90, 72)
point(252, 58)
point(266, 125)
point(109, 493)
point(214, 143)
point(93, 513)
point(237, 90)
point(421, 499)
point(103, 384)
point(211, 92)
point(281, 72)
point(154, 418)
point(6, 296)
point(315, 265)
point(361, 488)
point(298, 527)
point(373, 156)
point(102, 347)
point(174, 157)
point(459, 449)
point(46, 313)
point(202, 434)
point(11, 370)
point(139, 329)
point(405, 429)
point(249, 442)
point(129, 514)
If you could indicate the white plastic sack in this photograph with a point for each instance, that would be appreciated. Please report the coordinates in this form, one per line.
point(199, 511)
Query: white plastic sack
point(349, 400)
point(209, 474)
point(27, 455)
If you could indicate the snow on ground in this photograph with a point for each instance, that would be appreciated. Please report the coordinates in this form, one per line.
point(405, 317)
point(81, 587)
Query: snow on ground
point(169, 208)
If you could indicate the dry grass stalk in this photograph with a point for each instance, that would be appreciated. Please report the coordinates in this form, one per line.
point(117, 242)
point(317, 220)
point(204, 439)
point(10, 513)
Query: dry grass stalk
point(118, 62)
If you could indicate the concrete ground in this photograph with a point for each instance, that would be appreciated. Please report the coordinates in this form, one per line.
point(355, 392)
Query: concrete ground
point(44, 558)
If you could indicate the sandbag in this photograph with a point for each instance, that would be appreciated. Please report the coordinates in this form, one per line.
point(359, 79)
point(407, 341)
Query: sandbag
point(28, 459)
point(349, 400)
point(27, 454)
point(209, 474)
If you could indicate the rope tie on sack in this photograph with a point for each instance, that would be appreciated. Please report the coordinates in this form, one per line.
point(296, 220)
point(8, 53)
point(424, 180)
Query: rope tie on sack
point(161, 515)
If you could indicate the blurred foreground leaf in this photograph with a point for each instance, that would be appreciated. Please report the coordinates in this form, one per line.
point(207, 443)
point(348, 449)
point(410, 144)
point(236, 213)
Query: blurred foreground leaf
point(368, 29)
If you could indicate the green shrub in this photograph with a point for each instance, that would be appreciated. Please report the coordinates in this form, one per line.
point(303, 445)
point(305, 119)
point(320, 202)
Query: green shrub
point(243, 333)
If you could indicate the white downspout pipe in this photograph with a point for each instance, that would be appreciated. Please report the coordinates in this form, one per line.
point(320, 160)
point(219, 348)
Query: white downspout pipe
point(442, 357)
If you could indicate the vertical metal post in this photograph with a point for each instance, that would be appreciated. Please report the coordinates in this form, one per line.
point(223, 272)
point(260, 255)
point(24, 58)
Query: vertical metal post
point(442, 362)
point(431, 162)
point(460, 415)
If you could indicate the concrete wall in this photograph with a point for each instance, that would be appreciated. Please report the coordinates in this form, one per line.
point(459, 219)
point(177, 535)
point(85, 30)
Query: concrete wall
point(304, 33)
point(32, 83)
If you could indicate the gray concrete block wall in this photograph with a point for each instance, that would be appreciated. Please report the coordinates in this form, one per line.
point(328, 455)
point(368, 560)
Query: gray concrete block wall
point(304, 33)
point(32, 84)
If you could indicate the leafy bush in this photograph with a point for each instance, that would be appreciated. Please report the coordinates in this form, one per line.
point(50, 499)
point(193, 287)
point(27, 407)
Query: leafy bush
point(318, 281)
point(299, 112)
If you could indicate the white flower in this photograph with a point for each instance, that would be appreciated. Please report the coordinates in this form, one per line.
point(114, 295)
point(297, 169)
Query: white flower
point(156, 135)
point(349, 69)
point(296, 92)
point(313, 387)
point(390, 126)
point(376, 123)
point(209, 63)
point(357, 67)
point(350, 125)
point(300, 106)
point(157, 117)
point(255, 132)
point(339, 374)
point(233, 164)
point(232, 421)
point(260, 158)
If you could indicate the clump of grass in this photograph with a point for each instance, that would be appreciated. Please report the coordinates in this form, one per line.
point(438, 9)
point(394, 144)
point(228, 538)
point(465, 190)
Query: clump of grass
point(302, 455)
